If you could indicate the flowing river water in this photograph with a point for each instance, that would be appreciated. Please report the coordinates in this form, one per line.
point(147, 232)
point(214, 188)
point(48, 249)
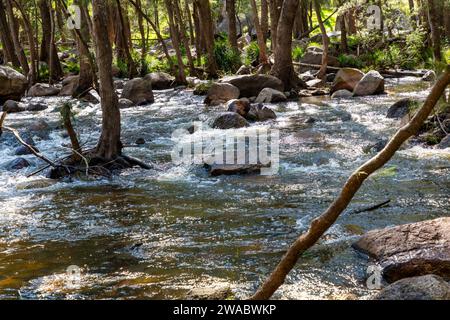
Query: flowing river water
point(156, 234)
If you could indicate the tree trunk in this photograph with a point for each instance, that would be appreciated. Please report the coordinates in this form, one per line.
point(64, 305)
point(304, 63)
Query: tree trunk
point(122, 42)
point(259, 34)
point(344, 43)
point(283, 68)
point(434, 28)
point(174, 34)
point(14, 27)
point(264, 19)
point(32, 76)
point(182, 32)
point(7, 42)
point(274, 10)
point(109, 145)
point(199, 38)
point(140, 20)
point(47, 55)
point(86, 76)
point(321, 224)
point(232, 32)
point(207, 28)
point(158, 35)
point(325, 40)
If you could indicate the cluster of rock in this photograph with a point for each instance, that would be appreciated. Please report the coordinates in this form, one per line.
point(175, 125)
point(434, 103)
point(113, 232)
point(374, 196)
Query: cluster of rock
point(351, 82)
point(414, 257)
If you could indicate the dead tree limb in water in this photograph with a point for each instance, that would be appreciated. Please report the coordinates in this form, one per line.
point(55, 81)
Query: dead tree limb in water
point(321, 224)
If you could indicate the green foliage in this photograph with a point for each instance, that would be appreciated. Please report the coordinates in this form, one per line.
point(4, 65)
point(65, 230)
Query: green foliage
point(447, 54)
point(123, 68)
point(228, 60)
point(298, 53)
point(350, 61)
point(44, 72)
point(251, 53)
point(71, 66)
point(315, 44)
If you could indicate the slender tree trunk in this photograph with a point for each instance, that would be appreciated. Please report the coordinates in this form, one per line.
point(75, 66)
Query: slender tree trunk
point(109, 145)
point(259, 34)
point(187, 10)
point(122, 44)
point(232, 32)
point(32, 76)
point(264, 19)
point(86, 76)
point(143, 39)
point(207, 28)
point(325, 40)
point(47, 55)
point(182, 32)
point(321, 224)
point(344, 43)
point(158, 35)
point(283, 68)
point(274, 10)
point(175, 36)
point(7, 41)
point(14, 26)
point(199, 38)
point(435, 32)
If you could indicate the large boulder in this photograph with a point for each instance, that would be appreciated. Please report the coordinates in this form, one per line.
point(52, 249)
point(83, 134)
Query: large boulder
point(69, 85)
point(401, 108)
point(43, 90)
point(229, 120)
point(240, 106)
point(346, 78)
point(371, 83)
point(139, 90)
point(12, 84)
point(428, 287)
point(161, 80)
point(315, 57)
point(410, 250)
point(220, 93)
point(269, 95)
point(251, 85)
point(259, 112)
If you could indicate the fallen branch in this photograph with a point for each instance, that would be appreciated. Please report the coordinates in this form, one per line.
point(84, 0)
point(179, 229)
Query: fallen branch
point(32, 149)
point(371, 208)
point(322, 223)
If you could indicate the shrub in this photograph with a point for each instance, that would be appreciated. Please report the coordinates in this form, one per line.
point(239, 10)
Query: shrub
point(251, 53)
point(350, 61)
point(298, 53)
point(228, 60)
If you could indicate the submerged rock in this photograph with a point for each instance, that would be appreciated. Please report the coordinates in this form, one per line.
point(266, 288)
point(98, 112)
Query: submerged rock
point(260, 112)
point(125, 103)
point(212, 292)
point(17, 164)
point(229, 120)
point(233, 169)
point(251, 85)
point(410, 250)
point(428, 287)
point(43, 90)
point(269, 95)
point(38, 106)
point(341, 94)
point(400, 109)
point(220, 93)
point(139, 90)
point(346, 78)
point(12, 107)
point(372, 83)
point(12, 84)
